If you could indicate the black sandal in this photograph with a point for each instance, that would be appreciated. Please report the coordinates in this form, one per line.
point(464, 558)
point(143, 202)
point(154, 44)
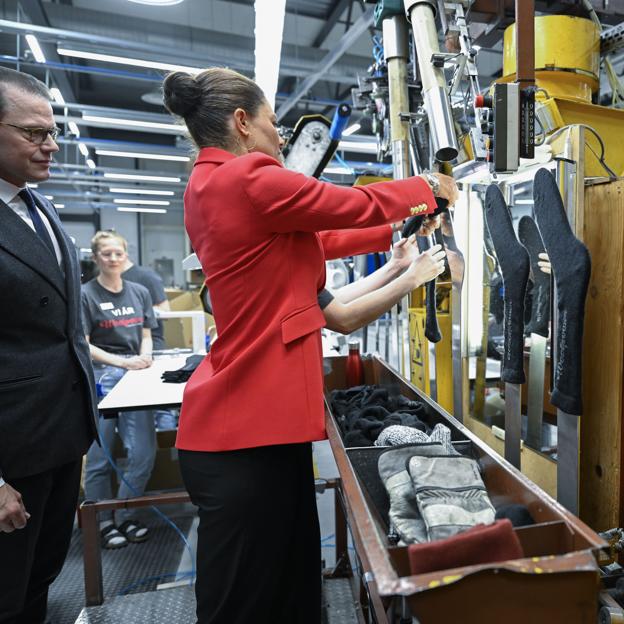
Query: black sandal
point(108, 534)
point(130, 528)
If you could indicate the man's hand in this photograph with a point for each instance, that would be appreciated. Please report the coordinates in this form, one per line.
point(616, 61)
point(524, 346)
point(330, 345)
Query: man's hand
point(13, 514)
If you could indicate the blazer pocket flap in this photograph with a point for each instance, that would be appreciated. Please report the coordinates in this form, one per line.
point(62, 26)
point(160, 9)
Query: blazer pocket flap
point(302, 322)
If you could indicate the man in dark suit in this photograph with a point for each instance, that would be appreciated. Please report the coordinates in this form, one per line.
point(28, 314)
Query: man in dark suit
point(47, 395)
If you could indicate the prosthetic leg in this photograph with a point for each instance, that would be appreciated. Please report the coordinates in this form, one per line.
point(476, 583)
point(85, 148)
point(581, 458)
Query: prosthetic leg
point(571, 268)
point(514, 263)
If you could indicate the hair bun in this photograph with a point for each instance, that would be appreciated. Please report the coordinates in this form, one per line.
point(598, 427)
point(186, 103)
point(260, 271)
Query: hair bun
point(181, 93)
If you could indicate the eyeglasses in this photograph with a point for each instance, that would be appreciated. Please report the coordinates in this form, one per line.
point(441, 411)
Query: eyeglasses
point(36, 135)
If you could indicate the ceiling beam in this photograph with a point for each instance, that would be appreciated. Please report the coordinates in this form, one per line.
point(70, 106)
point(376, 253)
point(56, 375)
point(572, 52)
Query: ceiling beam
point(330, 59)
point(332, 20)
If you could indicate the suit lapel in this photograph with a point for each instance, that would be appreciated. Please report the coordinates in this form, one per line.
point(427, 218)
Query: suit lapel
point(68, 252)
point(24, 244)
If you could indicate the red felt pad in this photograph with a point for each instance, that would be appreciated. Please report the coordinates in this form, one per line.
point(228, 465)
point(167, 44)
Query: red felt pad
point(480, 544)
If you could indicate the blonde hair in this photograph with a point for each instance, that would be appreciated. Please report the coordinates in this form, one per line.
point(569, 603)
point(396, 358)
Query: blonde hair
point(106, 235)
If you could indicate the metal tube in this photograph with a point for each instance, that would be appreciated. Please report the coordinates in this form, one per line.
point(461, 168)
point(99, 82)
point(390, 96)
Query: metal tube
point(396, 53)
point(421, 14)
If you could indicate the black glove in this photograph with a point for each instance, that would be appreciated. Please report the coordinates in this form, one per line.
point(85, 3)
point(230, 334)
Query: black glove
point(183, 374)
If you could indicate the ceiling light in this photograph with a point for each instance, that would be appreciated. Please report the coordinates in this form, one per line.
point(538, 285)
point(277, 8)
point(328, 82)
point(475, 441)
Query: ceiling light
point(57, 96)
point(35, 48)
point(33, 185)
point(59, 205)
point(142, 155)
point(143, 202)
point(50, 197)
point(139, 191)
point(157, 2)
point(73, 128)
point(133, 176)
point(268, 49)
point(90, 163)
point(84, 150)
point(124, 60)
point(522, 201)
point(154, 210)
point(351, 129)
point(114, 121)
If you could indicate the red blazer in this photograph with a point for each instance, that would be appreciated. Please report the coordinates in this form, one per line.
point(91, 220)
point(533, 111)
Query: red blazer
point(253, 225)
point(341, 243)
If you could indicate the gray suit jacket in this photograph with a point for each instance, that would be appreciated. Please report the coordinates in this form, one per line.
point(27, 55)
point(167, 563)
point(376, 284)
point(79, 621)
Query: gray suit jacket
point(48, 407)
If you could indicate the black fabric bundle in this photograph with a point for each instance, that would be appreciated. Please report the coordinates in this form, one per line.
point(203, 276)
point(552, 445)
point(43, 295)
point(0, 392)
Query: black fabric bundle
point(183, 374)
point(363, 412)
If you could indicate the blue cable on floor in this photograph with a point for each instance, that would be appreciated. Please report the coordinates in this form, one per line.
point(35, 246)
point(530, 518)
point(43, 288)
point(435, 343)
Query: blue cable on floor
point(175, 527)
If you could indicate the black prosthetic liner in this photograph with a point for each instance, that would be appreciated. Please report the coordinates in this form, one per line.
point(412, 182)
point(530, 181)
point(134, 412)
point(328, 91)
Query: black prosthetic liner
point(540, 309)
point(514, 264)
point(412, 225)
point(571, 267)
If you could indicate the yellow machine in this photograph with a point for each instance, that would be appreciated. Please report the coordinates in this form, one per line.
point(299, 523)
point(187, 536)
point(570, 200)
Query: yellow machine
point(567, 69)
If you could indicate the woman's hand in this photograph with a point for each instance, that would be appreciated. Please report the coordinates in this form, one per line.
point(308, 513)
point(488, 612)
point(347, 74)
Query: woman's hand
point(428, 265)
point(404, 252)
point(137, 362)
point(448, 188)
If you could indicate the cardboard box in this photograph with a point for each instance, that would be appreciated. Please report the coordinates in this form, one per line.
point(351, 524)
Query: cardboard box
point(178, 332)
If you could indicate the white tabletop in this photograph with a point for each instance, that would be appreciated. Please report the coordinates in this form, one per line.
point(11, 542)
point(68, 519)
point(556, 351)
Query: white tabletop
point(144, 389)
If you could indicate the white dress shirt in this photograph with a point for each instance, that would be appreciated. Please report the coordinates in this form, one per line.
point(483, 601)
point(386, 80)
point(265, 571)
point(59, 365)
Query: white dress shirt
point(9, 195)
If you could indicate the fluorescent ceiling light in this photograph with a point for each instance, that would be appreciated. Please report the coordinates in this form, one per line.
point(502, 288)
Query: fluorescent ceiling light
point(523, 201)
point(134, 123)
point(351, 129)
point(73, 128)
point(35, 48)
point(142, 155)
point(33, 185)
point(268, 49)
point(147, 178)
point(144, 202)
point(157, 2)
point(124, 60)
point(59, 205)
point(154, 210)
point(90, 163)
point(57, 96)
point(50, 197)
point(84, 150)
point(139, 191)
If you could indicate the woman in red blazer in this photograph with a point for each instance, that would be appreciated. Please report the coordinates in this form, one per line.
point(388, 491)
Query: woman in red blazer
point(255, 404)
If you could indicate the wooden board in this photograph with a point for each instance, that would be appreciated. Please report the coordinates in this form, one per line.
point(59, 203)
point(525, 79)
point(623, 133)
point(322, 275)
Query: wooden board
point(536, 466)
point(603, 359)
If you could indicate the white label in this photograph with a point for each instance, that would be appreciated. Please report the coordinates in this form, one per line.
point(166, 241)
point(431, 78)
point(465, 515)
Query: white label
point(107, 306)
